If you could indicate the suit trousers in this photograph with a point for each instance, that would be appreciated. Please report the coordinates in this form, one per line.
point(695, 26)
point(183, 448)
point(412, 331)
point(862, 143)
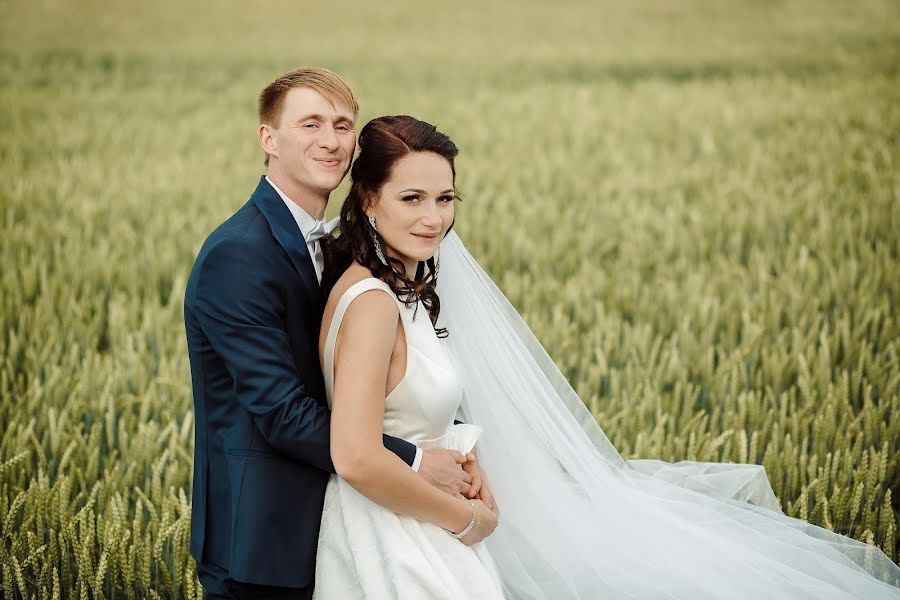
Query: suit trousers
point(218, 586)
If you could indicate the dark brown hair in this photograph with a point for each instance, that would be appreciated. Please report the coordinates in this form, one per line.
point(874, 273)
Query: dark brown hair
point(383, 142)
point(328, 83)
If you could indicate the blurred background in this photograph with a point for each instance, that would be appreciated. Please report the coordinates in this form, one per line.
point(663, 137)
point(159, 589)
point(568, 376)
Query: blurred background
point(694, 205)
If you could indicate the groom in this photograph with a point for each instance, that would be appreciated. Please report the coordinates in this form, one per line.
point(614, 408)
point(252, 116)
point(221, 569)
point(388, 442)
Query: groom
point(252, 313)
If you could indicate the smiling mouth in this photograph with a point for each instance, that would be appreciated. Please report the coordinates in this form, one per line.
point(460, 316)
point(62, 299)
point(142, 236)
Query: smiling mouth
point(328, 162)
point(426, 236)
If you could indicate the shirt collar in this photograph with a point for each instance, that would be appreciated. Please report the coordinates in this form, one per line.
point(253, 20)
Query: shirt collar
point(304, 220)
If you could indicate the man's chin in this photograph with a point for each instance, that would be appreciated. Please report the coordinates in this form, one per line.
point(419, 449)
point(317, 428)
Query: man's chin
point(329, 185)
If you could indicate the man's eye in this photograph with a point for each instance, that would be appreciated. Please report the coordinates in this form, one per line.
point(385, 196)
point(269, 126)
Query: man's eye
point(310, 125)
point(342, 128)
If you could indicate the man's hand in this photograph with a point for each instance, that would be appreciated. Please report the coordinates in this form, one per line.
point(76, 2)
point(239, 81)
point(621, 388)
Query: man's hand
point(443, 469)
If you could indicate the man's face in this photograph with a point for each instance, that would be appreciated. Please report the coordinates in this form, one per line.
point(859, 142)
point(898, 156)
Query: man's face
point(314, 142)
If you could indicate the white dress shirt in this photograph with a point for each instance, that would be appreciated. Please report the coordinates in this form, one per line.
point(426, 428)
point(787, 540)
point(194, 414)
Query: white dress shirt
point(306, 224)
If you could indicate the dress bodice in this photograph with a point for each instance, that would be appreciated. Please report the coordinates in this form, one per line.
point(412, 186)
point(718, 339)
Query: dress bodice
point(423, 404)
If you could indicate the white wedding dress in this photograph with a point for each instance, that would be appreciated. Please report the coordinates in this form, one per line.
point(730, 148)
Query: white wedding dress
point(577, 520)
point(368, 551)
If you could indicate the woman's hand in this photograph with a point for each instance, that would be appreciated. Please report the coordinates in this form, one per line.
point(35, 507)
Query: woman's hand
point(478, 487)
point(486, 521)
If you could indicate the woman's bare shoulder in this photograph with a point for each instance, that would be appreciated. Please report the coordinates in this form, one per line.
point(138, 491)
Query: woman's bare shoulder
point(353, 275)
point(366, 311)
point(371, 318)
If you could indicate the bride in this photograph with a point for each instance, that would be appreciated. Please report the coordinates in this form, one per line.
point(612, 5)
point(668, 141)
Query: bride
point(404, 355)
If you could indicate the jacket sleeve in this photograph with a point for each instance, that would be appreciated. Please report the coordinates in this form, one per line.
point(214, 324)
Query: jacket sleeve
point(402, 448)
point(240, 306)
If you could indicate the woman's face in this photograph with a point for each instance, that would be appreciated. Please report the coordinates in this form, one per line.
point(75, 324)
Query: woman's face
point(415, 208)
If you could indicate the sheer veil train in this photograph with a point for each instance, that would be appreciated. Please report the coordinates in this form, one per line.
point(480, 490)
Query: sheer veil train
point(578, 521)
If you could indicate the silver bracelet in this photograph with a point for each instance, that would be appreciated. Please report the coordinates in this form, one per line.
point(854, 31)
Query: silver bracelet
point(468, 528)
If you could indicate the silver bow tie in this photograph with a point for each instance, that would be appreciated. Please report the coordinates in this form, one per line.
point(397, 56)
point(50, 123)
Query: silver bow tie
point(321, 230)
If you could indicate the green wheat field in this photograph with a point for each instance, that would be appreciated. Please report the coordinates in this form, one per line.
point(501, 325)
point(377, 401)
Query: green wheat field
point(694, 204)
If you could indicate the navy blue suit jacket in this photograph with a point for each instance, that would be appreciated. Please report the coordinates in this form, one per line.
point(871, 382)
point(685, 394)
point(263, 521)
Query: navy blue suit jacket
point(252, 312)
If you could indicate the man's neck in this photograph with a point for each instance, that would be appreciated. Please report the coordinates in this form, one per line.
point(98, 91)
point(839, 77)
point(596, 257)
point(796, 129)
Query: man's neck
point(313, 203)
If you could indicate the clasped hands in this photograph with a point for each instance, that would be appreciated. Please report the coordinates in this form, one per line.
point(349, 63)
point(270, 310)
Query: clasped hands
point(460, 475)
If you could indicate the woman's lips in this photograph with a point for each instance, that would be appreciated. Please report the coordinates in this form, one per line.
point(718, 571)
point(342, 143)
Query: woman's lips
point(426, 236)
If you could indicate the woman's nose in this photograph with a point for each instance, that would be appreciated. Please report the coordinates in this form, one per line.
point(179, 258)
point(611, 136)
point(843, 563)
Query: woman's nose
point(432, 216)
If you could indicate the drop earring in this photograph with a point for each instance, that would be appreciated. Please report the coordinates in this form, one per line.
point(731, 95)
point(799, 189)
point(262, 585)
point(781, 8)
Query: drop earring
point(378, 251)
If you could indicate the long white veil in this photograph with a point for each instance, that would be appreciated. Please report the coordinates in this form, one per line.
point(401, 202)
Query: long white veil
point(578, 521)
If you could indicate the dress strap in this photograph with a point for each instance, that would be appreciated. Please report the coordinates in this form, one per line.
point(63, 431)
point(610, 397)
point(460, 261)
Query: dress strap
point(351, 294)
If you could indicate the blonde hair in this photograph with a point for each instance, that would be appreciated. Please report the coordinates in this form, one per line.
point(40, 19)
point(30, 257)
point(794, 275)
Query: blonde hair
point(328, 83)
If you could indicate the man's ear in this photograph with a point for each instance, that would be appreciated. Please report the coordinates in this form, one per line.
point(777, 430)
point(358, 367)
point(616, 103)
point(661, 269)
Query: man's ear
point(267, 140)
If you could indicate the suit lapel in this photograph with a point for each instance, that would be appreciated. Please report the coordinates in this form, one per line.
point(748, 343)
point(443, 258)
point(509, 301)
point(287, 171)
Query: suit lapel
point(284, 230)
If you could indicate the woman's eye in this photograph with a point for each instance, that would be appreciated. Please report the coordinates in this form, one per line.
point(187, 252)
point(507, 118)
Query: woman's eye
point(411, 198)
point(447, 198)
